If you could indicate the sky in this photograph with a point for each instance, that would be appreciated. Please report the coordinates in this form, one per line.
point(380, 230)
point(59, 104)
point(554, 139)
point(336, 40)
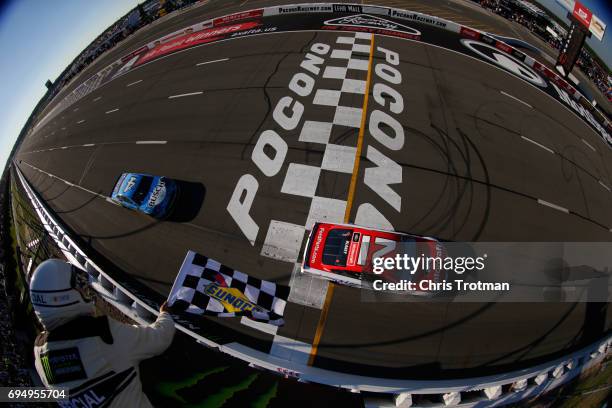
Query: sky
point(603, 10)
point(38, 39)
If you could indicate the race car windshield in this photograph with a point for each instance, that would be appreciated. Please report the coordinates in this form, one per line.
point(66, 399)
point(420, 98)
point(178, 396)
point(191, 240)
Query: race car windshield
point(336, 247)
point(143, 189)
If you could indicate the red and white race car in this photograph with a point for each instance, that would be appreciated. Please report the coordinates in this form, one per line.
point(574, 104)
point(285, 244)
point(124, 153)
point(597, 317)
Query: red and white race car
point(345, 254)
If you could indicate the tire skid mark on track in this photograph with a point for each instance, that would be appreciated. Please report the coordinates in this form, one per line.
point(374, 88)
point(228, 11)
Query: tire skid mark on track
point(88, 165)
point(267, 95)
point(502, 188)
point(561, 155)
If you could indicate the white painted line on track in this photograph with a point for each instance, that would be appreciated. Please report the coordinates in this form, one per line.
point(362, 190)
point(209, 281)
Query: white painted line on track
point(108, 200)
point(144, 142)
point(605, 186)
point(555, 206)
point(264, 327)
point(212, 62)
point(80, 121)
point(588, 144)
point(64, 147)
point(185, 94)
point(67, 182)
point(537, 144)
point(97, 98)
point(134, 83)
point(516, 99)
point(152, 142)
point(111, 111)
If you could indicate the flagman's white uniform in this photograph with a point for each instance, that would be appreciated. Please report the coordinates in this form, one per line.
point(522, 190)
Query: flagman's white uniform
point(96, 358)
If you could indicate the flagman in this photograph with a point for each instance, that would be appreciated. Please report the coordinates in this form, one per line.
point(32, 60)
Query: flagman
point(96, 358)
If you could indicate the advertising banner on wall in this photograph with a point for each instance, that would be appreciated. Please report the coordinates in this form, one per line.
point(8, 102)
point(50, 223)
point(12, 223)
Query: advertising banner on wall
point(582, 14)
point(597, 27)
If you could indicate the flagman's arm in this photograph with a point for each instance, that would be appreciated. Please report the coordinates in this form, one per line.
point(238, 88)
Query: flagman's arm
point(142, 342)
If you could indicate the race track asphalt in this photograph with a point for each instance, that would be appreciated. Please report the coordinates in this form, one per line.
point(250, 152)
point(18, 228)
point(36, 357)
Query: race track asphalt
point(481, 148)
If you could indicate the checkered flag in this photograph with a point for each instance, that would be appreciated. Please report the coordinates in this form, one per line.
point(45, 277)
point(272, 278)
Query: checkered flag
point(206, 287)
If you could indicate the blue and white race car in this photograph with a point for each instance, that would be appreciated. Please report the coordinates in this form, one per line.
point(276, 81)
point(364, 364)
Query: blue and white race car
point(151, 195)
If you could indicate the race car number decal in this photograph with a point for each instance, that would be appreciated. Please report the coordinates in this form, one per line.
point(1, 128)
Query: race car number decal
point(130, 184)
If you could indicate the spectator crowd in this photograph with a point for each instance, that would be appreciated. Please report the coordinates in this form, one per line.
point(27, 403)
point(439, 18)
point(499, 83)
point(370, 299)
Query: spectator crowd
point(537, 21)
point(142, 15)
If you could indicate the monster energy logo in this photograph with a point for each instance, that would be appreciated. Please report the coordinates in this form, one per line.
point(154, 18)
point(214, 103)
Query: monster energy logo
point(61, 366)
point(44, 359)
